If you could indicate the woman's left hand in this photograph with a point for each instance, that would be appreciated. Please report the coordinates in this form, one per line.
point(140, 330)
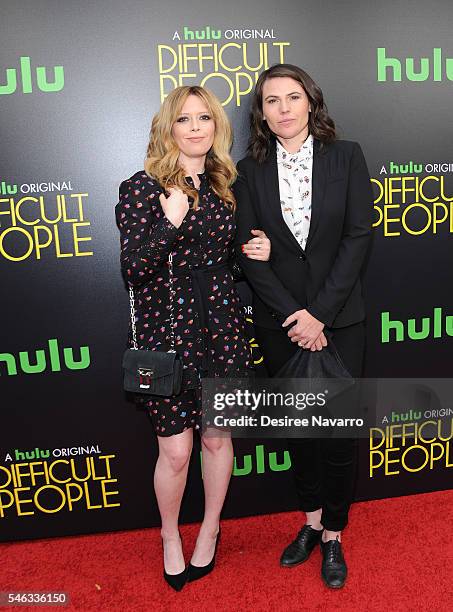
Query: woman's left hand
point(306, 329)
point(259, 247)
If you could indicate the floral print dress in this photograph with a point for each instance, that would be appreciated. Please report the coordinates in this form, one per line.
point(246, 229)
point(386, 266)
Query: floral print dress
point(209, 322)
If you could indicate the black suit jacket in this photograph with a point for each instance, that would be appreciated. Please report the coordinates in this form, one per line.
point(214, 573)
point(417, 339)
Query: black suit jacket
point(325, 278)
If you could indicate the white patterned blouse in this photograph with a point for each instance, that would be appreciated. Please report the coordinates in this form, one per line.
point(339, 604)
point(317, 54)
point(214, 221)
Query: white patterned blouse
point(294, 178)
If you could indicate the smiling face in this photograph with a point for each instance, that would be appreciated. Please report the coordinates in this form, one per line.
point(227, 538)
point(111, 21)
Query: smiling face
point(286, 109)
point(194, 129)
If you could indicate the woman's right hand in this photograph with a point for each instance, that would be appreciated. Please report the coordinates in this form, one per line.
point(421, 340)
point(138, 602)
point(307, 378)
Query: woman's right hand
point(318, 344)
point(259, 247)
point(175, 207)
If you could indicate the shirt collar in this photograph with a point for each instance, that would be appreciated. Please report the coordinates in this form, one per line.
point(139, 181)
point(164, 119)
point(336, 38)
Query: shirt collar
point(305, 151)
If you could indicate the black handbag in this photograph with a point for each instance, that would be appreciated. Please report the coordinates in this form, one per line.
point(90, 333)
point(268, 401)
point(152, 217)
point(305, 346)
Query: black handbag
point(153, 372)
point(317, 366)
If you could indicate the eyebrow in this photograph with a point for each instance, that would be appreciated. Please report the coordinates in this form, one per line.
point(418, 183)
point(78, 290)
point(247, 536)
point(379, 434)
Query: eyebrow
point(275, 95)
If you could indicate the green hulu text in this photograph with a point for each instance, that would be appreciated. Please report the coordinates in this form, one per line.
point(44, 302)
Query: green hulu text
point(414, 69)
point(437, 326)
point(22, 78)
point(45, 359)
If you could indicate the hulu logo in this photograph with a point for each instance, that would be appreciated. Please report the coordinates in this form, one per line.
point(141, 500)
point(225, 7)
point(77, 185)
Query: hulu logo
point(410, 168)
point(206, 34)
point(435, 326)
point(6, 189)
point(42, 360)
point(409, 417)
point(260, 462)
point(30, 455)
point(427, 67)
point(24, 77)
point(257, 462)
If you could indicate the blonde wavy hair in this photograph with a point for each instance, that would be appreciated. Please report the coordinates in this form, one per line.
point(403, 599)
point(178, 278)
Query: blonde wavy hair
point(162, 155)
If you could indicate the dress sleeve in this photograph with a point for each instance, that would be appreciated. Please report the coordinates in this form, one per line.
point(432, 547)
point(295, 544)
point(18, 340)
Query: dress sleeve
point(234, 265)
point(146, 238)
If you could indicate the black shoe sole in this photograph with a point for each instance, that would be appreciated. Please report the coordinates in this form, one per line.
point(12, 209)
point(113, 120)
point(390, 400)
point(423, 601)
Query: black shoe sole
point(290, 565)
point(331, 586)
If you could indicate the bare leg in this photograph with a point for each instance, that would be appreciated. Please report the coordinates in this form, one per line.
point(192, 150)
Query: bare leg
point(331, 535)
point(314, 519)
point(217, 468)
point(170, 478)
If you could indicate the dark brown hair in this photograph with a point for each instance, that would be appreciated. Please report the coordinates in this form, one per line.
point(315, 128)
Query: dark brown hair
point(320, 125)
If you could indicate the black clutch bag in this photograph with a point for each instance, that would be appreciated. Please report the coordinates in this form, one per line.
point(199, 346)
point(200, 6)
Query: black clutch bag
point(152, 372)
point(317, 366)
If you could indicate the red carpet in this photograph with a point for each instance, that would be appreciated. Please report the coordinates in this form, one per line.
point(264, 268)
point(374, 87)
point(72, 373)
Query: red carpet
point(399, 552)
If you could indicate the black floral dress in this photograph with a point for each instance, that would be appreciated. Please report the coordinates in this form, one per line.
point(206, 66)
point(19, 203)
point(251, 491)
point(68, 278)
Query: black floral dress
point(209, 323)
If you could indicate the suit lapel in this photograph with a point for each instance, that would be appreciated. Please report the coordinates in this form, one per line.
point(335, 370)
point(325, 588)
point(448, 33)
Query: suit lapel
point(318, 187)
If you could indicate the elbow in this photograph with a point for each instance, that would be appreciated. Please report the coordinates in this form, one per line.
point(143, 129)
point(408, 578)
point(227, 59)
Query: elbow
point(362, 232)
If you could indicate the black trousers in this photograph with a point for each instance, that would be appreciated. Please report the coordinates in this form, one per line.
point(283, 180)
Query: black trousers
point(324, 469)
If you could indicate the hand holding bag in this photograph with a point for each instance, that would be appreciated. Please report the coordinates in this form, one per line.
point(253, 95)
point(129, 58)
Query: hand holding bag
point(153, 372)
point(316, 367)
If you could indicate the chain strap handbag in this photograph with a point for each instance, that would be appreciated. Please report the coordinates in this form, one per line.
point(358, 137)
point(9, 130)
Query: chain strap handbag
point(153, 372)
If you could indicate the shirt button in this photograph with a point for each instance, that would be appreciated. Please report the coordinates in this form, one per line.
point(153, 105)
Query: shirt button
point(303, 257)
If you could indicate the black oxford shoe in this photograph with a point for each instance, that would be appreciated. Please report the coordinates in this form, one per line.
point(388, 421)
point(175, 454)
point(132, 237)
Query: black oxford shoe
point(300, 549)
point(333, 568)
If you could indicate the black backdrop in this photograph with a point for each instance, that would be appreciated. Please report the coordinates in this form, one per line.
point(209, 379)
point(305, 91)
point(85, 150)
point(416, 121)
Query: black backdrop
point(79, 84)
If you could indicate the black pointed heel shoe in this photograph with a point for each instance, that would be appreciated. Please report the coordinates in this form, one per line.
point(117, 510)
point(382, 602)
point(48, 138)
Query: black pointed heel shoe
point(176, 581)
point(196, 572)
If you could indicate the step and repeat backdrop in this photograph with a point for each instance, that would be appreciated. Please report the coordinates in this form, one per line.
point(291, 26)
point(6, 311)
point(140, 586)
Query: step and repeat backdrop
point(79, 83)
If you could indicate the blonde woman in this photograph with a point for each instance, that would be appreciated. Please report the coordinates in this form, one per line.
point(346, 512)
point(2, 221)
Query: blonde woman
point(182, 204)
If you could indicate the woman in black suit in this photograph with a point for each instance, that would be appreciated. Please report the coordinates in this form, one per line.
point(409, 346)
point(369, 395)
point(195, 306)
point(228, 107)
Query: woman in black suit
point(312, 196)
point(182, 204)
